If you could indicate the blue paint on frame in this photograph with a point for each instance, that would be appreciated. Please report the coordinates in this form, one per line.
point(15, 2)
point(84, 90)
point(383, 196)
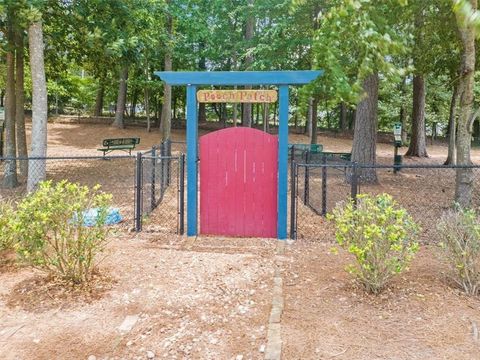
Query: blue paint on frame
point(192, 171)
point(239, 77)
point(193, 79)
point(282, 163)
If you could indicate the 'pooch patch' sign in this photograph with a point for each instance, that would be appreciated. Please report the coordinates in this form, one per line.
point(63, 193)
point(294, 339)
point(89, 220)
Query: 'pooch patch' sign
point(237, 96)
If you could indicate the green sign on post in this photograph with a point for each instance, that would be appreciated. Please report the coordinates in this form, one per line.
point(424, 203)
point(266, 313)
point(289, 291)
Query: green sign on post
point(397, 159)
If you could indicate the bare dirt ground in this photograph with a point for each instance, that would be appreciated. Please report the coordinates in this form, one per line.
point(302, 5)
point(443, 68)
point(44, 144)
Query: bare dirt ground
point(203, 300)
point(327, 316)
point(211, 298)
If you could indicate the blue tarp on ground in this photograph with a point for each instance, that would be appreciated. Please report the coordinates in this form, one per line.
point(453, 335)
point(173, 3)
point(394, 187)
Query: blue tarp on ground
point(90, 217)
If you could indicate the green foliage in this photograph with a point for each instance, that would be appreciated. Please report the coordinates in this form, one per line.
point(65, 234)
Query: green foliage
point(356, 39)
point(380, 234)
point(7, 235)
point(459, 232)
point(48, 226)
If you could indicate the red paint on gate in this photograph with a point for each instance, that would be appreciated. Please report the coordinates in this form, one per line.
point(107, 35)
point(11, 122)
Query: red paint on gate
point(238, 183)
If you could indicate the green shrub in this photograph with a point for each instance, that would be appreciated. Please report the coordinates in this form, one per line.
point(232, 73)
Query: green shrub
point(49, 224)
point(6, 223)
point(459, 232)
point(380, 234)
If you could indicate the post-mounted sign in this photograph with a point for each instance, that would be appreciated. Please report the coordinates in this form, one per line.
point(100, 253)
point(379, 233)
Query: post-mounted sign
point(397, 131)
point(237, 96)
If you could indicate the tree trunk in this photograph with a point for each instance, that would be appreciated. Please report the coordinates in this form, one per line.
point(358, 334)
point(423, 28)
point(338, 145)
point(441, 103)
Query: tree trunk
point(133, 106)
point(37, 168)
point(235, 111)
point(147, 107)
point(99, 99)
point(343, 117)
point(20, 102)
point(266, 117)
point(452, 128)
point(2, 96)
point(313, 139)
point(249, 31)
point(121, 98)
point(365, 136)
point(309, 118)
point(403, 112)
point(10, 171)
point(202, 66)
point(464, 177)
point(223, 116)
point(351, 121)
point(166, 117)
point(417, 145)
point(403, 121)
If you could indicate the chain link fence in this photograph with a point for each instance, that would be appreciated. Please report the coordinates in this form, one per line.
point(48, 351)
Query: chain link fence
point(147, 188)
point(425, 191)
point(160, 199)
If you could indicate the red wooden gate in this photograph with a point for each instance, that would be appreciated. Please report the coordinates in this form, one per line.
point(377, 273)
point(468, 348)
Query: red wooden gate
point(238, 183)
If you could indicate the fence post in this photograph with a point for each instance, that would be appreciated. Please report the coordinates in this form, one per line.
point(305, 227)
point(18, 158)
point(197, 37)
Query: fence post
point(181, 189)
point(162, 167)
point(153, 179)
point(293, 196)
point(306, 183)
point(354, 183)
point(168, 150)
point(324, 185)
point(138, 192)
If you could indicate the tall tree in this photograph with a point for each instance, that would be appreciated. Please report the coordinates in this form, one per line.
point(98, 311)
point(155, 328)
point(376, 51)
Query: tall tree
point(353, 64)
point(364, 147)
point(417, 145)
point(166, 116)
point(20, 100)
point(467, 31)
point(452, 128)
point(37, 168)
point(121, 97)
point(10, 172)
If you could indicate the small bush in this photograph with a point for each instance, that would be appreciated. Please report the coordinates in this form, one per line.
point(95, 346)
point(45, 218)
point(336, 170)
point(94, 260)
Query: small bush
point(459, 232)
point(380, 234)
point(6, 220)
point(49, 224)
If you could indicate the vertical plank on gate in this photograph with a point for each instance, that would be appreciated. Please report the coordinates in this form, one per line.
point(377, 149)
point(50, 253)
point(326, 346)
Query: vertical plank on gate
point(250, 190)
point(192, 175)
point(238, 183)
point(282, 162)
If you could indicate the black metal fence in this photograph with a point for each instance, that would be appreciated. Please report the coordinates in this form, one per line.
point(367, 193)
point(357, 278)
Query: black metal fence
point(425, 191)
point(147, 189)
point(160, 197)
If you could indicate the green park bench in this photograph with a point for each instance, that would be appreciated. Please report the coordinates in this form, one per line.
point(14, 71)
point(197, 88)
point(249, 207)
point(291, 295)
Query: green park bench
point(123, 144)
point(300, 149)
point(330, 155)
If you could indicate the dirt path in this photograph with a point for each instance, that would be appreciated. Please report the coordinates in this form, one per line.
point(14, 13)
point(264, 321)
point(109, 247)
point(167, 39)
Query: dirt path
point(208, 300)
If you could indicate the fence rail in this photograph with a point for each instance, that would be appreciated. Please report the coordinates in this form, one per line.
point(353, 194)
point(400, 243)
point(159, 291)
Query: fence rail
point(146, 188)
point(426, 191)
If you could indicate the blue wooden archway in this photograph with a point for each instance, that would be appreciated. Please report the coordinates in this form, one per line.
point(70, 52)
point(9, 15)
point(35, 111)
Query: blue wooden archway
point(192, 80)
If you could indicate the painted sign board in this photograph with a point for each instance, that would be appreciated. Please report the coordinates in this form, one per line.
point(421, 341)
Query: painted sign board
point(237, 96)
point(397, 131)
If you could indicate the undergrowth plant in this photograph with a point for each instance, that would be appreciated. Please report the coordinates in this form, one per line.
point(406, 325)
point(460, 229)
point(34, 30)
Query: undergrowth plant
point(6, 223)
point(51, 234)
point(380, 234)
point(459, 232)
